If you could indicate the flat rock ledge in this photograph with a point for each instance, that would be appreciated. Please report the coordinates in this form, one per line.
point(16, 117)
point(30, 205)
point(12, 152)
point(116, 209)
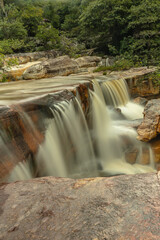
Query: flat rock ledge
point(119, 208)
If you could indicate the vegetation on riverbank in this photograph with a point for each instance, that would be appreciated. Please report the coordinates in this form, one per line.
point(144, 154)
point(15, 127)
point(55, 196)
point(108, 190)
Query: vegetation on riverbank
point(127, 28)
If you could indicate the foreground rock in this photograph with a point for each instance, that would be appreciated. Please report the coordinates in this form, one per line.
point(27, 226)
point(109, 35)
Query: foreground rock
point(124, 207)
point(150, 127)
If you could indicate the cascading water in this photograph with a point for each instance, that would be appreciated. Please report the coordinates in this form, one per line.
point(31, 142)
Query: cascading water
point(116, 94)
point(67, 150)
point(111, 146)
point(72, 148)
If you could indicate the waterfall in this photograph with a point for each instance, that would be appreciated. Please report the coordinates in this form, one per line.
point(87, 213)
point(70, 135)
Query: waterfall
point(67, 150)
point(75, 147)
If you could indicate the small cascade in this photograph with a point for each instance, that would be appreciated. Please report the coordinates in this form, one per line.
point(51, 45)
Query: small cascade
point(116, 94)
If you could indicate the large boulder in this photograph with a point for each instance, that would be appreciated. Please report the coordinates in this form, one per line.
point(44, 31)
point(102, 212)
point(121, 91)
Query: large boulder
point(150, 127)
point(123, 207)
point(15, 72)
point(88, 61)
point(63, 65)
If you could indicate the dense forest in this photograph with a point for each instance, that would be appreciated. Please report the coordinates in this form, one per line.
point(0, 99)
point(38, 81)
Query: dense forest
point(125, 28)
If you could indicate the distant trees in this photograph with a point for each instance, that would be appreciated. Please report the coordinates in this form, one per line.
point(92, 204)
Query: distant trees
point(116, 27)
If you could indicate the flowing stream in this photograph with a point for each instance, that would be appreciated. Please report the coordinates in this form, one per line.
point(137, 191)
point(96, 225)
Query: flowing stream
point(100, 146)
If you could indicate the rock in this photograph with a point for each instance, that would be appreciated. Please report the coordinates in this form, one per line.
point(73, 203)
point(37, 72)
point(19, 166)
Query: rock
point(36, 71)
point(15, 72)
point(140, 100)
point(63, 65)
point(31, 57)
point(88, 61)
point(116, 208)
point(141, 85)
point(150, 127)
point(155, 144)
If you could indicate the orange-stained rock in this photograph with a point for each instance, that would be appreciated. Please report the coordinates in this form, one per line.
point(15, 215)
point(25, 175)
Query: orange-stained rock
point(119, 208)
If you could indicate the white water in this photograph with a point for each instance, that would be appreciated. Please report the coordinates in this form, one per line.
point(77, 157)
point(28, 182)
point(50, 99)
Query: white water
point(132, 111)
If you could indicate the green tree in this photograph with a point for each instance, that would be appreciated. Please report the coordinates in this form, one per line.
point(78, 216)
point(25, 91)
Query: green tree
point(47, 36)
point(31, 17)
point(142, 40)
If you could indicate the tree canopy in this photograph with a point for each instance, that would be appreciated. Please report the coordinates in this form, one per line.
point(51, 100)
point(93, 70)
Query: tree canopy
point(130, 28)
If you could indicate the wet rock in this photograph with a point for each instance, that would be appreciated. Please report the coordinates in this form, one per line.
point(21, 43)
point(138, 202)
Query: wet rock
point(116, 208)
point(150, 127)
point(141, 101)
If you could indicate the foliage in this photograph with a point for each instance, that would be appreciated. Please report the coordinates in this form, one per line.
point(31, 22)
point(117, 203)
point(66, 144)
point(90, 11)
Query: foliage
point(31, 17)
point(119, 65)
point(126, 28)
point(7, 63)
point(70, 46)
point(48, 36)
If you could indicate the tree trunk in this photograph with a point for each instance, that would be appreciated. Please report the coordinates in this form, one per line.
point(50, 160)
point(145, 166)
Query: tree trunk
point(2, 7)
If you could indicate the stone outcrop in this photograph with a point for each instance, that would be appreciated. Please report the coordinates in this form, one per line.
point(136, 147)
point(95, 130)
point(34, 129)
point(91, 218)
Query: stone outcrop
point(15, 72)
point(150, 127)
point(88, 61)
point(63, 66)
point(32, 57)
point(123, 207)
